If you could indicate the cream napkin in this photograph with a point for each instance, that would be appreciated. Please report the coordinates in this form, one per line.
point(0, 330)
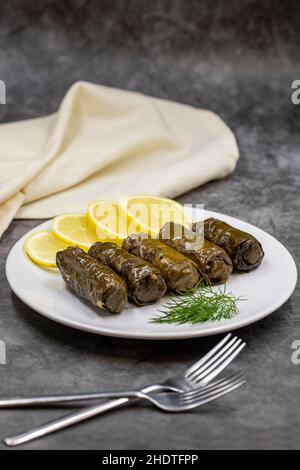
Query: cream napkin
point(103, 143)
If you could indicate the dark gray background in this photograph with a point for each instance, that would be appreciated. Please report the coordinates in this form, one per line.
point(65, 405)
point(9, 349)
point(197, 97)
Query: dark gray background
point(237, 59)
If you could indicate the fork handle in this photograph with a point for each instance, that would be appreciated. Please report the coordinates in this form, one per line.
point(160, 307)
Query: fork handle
point(20, 402)
point(73, 418)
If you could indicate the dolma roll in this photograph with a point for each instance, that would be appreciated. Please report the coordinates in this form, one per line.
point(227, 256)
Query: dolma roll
point(179, 272)
point(244, 250)
point(145, 283)
point(213, 262)
point(91, 280)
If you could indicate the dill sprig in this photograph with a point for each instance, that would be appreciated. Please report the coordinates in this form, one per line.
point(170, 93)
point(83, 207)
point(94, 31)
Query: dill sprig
point(199, 305)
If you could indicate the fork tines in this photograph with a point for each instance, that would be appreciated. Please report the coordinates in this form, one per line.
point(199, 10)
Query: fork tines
point(214, 389)
point(215, 361)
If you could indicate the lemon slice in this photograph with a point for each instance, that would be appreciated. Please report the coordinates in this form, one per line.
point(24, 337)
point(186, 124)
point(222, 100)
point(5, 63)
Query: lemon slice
point(73, 229)
point(146, 213)
point(42, 246)
point(107, 221)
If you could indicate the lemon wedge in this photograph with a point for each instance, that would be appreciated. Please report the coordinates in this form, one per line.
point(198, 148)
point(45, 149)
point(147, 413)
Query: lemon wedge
point(73, 229)
point(42, 246)
point(146, 213)
point(107, 221)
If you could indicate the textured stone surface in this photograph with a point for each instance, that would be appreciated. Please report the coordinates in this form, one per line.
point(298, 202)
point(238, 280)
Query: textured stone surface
point(237, 60)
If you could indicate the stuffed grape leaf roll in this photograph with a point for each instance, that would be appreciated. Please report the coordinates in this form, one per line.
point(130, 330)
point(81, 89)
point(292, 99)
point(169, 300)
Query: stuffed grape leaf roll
point(213, 262)
point(244, 250)
point(145, 283)
point(91, 280)
point(179, 272)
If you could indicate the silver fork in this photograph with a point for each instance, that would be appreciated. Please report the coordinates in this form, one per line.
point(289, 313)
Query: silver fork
point(203, 371)
point(199, 374)
point(182, 401)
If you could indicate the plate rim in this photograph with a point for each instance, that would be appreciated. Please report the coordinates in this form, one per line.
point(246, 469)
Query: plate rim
point(175, 335)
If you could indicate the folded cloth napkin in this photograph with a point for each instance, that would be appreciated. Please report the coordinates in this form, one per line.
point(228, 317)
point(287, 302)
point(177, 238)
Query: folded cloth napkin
point(103, 143)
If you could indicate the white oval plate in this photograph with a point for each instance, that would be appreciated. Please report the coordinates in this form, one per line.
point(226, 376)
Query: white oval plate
point(265, 289)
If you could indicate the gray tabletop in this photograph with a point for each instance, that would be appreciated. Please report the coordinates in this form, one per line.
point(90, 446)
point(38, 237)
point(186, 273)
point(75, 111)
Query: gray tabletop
point(237, 62)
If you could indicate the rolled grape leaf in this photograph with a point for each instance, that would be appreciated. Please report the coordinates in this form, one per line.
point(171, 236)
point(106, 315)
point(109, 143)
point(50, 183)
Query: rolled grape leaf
point(180, 273)
point(244, 250)
point(91, 280)
point(145, 283)
point(212, 261)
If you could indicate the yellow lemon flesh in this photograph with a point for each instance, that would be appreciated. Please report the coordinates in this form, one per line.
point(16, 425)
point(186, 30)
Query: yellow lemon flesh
point(146, 213)
point(42, 246)
point(73, 229)
point(107, 221)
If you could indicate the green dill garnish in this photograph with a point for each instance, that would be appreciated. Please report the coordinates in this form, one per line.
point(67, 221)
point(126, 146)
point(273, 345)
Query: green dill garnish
point(199, 305)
